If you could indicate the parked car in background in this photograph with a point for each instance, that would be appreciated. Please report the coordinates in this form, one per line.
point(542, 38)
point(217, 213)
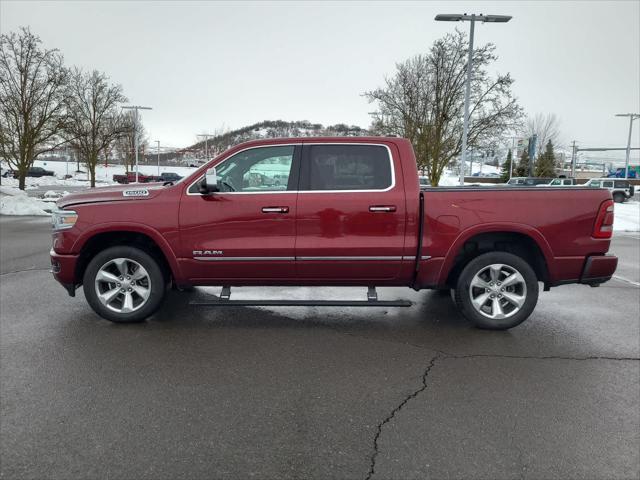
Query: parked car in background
point(130, 177)
point(33, 172)
point(621, 190)
point(424, 181)
point(560, 182)
point(529, 181)
point(170, 177)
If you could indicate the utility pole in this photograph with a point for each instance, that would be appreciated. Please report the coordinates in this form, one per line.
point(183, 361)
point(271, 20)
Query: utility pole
point(135, 108)
point(573, 160)
point(632, 117)
point(467, 93)
point(158, 142)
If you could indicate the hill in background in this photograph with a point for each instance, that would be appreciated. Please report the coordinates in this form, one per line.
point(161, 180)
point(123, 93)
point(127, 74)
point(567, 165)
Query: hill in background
point(266, 129)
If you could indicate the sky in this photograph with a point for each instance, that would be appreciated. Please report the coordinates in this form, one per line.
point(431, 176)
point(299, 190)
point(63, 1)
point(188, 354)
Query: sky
point(208, 66)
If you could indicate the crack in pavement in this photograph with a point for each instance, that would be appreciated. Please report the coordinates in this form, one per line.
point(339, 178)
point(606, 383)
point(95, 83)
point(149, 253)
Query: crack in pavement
point(389, 417)
point(444, 356)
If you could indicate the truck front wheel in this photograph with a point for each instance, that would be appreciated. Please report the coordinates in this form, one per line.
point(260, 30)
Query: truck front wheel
point(497, 291)
point(124, 284)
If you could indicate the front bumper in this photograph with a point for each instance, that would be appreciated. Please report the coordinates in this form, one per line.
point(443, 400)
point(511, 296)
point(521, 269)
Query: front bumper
point(598, 269)
point(63, 268)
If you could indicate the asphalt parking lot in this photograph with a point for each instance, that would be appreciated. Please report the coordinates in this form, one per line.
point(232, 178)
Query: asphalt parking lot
point(315, 392)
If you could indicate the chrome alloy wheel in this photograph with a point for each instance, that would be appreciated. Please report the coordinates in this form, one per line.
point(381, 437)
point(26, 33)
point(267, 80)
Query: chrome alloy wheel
point(123, 285)
point(498, 291)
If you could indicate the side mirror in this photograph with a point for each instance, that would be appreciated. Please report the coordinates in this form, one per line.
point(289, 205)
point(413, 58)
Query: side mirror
point(210, 183)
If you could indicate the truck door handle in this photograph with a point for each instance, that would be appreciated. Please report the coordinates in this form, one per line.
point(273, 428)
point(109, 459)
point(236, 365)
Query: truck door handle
point(275, 209)
point(382, 208)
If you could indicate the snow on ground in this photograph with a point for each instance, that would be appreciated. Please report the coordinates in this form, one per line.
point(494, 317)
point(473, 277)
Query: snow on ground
point(16, 202)
point(104, 175)
point(627, 217)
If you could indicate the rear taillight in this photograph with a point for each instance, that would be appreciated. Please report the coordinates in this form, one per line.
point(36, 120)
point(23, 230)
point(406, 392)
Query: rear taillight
point(603, 228)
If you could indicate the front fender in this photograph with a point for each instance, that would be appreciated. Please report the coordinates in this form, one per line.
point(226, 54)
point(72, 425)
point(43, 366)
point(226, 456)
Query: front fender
point(153, 234)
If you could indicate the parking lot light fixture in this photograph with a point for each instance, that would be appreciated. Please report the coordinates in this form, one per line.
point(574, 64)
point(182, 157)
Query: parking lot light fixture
point(632, 117)
point(473, 18)
point(135, 108)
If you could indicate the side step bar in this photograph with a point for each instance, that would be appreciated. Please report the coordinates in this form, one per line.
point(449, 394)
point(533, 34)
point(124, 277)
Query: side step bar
point(372, 301)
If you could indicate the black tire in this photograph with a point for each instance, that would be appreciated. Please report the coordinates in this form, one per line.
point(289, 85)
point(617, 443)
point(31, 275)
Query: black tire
point(442, 292)
point(618, 197)
point(463, 295)
point(157, 285)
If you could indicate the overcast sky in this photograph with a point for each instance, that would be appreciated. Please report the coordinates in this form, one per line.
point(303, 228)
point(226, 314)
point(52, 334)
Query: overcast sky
point(203, 66)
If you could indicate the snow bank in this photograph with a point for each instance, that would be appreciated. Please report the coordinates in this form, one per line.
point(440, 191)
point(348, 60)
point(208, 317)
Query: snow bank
point(627, 217)
point(16, 202)
point(52, 196)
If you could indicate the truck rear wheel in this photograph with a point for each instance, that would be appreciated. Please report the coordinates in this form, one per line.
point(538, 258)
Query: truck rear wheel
point(618, 197)
point(497, 291)
point(124, 284)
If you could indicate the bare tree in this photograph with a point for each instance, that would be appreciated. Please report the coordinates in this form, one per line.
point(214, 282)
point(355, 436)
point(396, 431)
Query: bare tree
point(94, 119)
point(32, 93)
point(546, 127)
point(126, 141)
point(424, 102)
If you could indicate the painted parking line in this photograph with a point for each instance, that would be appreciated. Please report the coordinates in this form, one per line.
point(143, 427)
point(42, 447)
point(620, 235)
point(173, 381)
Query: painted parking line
point(626, 280)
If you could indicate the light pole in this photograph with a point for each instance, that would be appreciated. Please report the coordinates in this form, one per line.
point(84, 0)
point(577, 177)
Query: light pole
point(158, 151)
point(206, 144)
point(632, 117)
point(469, 18)
point(135, 108)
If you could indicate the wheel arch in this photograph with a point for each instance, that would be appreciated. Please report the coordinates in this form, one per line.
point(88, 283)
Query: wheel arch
point(140, 236)
point(522, 240)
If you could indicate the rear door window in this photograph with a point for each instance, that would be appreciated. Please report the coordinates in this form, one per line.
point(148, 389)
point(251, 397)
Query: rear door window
point(608, 184)
point(347, 167)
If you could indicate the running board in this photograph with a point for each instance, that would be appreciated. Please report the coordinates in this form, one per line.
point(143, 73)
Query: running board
point(372, 301)
point(302, 303)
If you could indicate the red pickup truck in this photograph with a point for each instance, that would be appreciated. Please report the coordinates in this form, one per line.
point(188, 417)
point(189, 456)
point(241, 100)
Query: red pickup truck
point(350, 213)
point(130, 177)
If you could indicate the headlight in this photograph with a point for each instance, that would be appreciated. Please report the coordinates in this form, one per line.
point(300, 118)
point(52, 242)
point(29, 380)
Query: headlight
point(63, 219)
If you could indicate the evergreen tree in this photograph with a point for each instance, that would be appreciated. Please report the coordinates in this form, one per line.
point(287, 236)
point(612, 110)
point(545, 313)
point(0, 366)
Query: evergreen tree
point(506, 168)
point(522, 170)
point(545, 166)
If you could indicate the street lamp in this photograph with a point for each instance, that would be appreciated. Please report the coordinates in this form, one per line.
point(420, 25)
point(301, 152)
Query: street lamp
point(158, 151)
point(469, 18)
point(135, 129)
point(632, 117)
point(206, 144)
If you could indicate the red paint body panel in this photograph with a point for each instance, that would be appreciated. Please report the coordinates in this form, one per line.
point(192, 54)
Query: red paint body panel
point(235, 225)
point(333, 224)
point(329, 225)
